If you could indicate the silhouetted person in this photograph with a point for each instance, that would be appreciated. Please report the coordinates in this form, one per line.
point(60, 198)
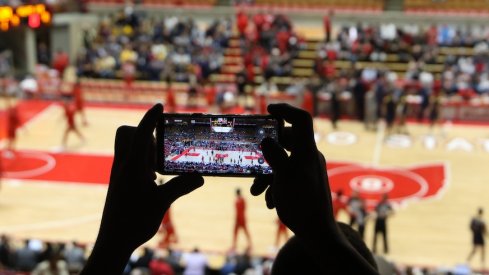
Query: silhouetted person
point(298, 189)
point(479, 231)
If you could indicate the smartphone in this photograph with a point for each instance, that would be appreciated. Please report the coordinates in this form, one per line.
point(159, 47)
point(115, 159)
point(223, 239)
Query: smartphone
point(214, 145)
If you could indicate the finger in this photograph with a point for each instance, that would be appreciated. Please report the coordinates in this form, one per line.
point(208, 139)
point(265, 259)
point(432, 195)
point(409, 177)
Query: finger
point(122, 149)
point(274, 154)
point(144, 132)
point(260, 184)
point(179, 186)
point(302, 127)
point(269, 199)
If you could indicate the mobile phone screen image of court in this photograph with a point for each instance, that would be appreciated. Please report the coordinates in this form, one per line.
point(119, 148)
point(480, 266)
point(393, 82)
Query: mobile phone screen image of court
point(217, 145)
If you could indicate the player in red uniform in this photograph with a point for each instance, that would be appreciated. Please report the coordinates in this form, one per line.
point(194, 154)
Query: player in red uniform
point(79, 101)
point(339, 203)
point(170, 105)
point(70, 121)
point(13, 122)
point(168, 231)
point(240, 222)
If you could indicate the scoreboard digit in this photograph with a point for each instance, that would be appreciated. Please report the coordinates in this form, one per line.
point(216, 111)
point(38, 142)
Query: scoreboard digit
point(34, 16)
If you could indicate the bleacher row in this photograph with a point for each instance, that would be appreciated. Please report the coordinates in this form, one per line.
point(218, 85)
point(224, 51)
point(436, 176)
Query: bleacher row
point(411, 6)
point(303, 67)
point(304, 63)
point(160, 3)
point(447, 6)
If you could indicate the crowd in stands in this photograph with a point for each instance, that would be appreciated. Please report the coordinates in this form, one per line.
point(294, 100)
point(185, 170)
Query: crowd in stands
point(135, 45)
point(38, 257)
point(467, 73)
point(269, 42)
point(217, 168)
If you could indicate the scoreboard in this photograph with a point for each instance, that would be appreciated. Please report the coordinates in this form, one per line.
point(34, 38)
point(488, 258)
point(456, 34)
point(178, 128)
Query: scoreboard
point(34, 16)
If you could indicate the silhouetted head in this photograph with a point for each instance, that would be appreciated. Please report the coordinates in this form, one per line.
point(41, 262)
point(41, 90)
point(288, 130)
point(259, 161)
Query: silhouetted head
point(480, 211)
point(293, 258)
point(238, 192)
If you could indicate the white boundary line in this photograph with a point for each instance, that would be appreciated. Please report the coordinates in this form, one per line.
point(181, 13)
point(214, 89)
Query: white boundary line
point(50, 164)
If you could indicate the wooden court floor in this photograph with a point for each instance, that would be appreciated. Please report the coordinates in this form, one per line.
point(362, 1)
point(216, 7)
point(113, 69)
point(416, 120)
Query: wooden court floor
point(424, 232)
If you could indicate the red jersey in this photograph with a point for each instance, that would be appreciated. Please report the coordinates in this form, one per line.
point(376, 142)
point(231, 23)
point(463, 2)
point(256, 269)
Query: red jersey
point(167, 218)
point(210, 94)
point(70, 116)
point(240, 206)
point(61, 61)
point(338, 204)
point(170, 98)
point(78, 97)
point(13, 122)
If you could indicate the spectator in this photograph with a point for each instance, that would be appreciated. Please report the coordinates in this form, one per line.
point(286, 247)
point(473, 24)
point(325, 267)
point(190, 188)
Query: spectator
point(61, 61)
point(74, 256)
point(159, 266)
point(195, 263)
point(54, 265)
point(6, 251)
point(26, 258)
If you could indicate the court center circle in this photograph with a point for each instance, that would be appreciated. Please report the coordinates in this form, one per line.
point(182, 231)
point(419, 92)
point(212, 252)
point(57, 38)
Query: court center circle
point(372, 184)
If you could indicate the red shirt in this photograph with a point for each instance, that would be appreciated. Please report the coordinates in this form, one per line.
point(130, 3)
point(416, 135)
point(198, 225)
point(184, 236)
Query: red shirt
point(77, 95)
point(241, 22)
point(60, 62)
point(160, 268)
point(240, 206)
point(170, 98)
point(70, 116)
point(338, 204)
point(13, 121)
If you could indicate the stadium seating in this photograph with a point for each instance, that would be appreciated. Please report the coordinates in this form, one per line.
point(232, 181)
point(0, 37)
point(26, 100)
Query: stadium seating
point(189, 3)
point(351, 5)
point(447, 6)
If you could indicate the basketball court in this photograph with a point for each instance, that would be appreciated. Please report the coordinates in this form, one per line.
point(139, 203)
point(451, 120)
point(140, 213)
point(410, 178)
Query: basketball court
point(437, 179)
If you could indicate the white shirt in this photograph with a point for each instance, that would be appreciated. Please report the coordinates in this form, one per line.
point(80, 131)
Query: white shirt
point(195, 263)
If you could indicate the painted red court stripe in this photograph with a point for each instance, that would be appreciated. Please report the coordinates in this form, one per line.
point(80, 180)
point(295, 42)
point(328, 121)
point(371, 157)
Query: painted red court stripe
point(68, 167)
point(181, 155)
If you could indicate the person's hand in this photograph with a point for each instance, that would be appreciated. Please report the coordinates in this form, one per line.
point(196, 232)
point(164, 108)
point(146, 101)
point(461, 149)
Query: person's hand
point(298, 188)
point(135, 204)
point(300, 192)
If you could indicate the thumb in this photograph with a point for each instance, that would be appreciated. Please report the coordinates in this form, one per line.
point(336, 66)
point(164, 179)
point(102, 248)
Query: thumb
point(274, 154)
point(179, 186)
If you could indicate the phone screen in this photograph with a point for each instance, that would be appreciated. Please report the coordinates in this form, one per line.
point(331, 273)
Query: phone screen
point(220, 145)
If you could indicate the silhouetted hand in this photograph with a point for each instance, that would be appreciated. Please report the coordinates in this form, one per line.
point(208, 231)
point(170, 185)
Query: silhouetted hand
point(135, 205)
point(299, 188)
